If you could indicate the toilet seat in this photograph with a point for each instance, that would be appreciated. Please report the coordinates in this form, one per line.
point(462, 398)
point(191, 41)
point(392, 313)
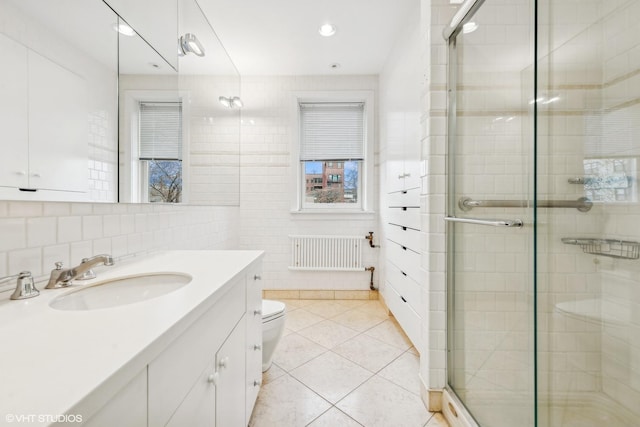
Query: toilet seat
point(272, 309)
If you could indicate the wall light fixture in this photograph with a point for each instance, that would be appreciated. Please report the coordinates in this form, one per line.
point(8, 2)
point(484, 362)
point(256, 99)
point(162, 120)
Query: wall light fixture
point(189, 43)
point(231, 102)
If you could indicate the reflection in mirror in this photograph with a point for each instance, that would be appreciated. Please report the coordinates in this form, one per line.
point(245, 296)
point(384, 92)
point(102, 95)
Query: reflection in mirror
point(59, 111)
point(214, 145)
point(151, 131)
point(611, 179)
point(178, 143)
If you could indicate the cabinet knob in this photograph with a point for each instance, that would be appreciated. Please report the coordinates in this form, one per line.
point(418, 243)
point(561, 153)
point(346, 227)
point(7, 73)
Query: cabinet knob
point(223, 363)
point(21, 173)
point(213, 378)
point(257, 347)
point(36, 174)
point(257, 383)
point(257, 312)
point(257, 277)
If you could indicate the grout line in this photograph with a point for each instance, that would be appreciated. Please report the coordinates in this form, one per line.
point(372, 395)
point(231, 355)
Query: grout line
point(371, 374)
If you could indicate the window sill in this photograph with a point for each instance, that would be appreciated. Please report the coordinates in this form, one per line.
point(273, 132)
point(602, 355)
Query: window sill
point(333, 215)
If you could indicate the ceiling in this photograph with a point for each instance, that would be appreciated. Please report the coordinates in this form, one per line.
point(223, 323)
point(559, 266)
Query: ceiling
point(280, 37)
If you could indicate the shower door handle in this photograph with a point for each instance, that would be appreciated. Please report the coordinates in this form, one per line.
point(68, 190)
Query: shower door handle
point(513, 223)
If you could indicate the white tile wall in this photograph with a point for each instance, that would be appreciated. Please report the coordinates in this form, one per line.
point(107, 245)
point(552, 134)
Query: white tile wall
point(435, 15)
point(212, 166)
point(37, 234)
point(268, 135)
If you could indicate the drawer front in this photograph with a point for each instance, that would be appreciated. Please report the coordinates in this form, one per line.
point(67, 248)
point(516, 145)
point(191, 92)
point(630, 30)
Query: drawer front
point(405, 236)
point(407, 318)
point(406, 217)
point(405, 259)
point(405, 198)
point(395, 175)
point(408, 289)
point(174, 372)
point(254, 337)
point(412, 173)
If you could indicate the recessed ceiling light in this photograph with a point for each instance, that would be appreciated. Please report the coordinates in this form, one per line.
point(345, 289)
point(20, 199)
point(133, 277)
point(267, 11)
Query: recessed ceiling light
point(334, 66)
point(469, 27)
point(327, 30)
point(124, 29)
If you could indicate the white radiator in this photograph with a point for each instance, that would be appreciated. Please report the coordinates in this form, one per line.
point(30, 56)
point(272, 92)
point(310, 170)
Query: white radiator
point(328, 253)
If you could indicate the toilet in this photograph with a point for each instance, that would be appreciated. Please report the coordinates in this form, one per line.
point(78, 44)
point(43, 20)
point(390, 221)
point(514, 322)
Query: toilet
point(273, 316)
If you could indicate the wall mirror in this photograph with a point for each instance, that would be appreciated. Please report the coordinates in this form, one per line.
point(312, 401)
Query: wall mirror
point(58, 117)
point(179, 129)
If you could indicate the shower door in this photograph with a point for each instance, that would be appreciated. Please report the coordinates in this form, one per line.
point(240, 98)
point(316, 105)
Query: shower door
point(491, 298)
point(588, 277)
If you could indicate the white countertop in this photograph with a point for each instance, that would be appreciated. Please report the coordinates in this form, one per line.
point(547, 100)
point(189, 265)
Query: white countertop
point(57, 362)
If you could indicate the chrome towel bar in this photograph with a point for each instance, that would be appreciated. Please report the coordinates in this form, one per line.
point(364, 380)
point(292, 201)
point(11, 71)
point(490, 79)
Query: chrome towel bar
point(514, 223)
point(582, 204)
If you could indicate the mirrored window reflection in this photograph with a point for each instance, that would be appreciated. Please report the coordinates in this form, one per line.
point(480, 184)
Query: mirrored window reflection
point(160, 151)
point(611, 180)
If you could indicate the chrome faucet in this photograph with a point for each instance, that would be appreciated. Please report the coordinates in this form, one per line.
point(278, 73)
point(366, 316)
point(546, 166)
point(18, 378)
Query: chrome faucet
point(60, 277)
point(25, 288)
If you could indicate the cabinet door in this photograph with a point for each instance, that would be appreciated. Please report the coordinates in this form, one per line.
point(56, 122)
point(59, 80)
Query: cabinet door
point(412, 151)
point(58, 128)
point(254, 337)
point(174, 372)
point(230, 382)
point(199, 407)
point(128, 408)
point(13, 114)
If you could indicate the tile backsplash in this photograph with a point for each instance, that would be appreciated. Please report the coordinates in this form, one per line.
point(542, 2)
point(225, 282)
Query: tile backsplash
point(34, 235)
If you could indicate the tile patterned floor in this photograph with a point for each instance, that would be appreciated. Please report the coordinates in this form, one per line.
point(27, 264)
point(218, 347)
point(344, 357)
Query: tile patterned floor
point(342, 363)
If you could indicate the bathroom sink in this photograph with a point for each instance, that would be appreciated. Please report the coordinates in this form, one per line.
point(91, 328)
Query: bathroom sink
point(120, 291)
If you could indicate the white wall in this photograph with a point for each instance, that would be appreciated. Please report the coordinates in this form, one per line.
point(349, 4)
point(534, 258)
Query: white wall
point(268, 137)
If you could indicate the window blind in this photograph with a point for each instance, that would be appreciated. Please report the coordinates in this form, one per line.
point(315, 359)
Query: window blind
point(160, 130)
point(332, 131)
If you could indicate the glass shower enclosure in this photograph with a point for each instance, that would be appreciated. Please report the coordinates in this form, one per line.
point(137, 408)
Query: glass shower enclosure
point(543, 214)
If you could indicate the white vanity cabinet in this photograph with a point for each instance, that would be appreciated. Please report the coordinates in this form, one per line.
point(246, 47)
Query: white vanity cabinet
point(201, 378)
point(230, 380)
point(43, 123)
point(127, 409)
point(209, 375)
point(254, 337)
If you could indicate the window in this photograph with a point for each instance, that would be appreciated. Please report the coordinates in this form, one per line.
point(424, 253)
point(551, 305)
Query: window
point(332, 153)
point(160, 151)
